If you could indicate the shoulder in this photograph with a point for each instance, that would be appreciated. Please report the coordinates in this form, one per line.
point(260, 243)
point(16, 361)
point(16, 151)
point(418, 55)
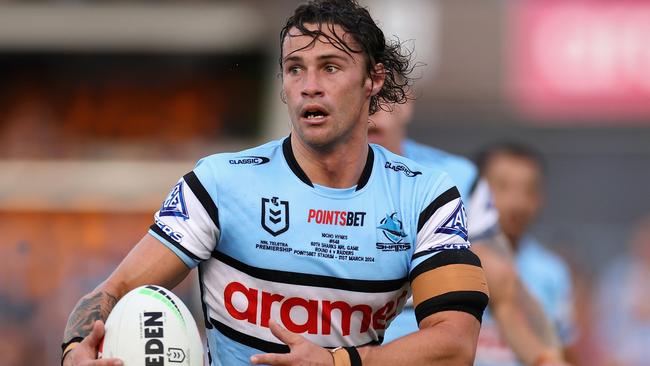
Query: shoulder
point(223, 164)
point(252, 156)
point(421, 189)
point(404, 168)
point(462, 170)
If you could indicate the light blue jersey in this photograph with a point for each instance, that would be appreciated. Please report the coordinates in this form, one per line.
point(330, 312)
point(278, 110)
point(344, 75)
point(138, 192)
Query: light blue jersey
point(461, 170)
point(332, 265)
point(548, 279)
point(483, 218)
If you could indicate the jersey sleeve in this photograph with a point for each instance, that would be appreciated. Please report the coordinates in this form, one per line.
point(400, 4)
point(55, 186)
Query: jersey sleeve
point(445, 274)
point(483, 215)
point(187, 222)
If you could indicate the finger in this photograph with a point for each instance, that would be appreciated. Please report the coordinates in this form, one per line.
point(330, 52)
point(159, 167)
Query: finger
point(96, 335)
point(271, 359)
point(92, 342)
point(284, 335)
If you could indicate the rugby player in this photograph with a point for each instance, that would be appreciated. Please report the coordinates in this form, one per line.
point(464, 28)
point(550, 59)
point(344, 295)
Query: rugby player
point(515, 173)
point(283, 287)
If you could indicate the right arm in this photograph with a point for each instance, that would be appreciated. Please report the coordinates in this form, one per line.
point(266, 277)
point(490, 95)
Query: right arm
point(149, 262)
point(521, 320)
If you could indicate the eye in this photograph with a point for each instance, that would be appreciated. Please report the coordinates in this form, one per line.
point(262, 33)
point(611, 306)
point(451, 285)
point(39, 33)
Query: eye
point(293, 70)
point(331, 69)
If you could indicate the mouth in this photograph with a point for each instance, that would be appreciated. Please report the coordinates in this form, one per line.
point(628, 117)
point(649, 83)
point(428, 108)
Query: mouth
point(314, 113)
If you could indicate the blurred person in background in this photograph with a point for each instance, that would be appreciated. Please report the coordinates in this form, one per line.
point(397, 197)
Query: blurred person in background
point(337, 69)
point(532, 339)
point(515, 173)
point(623, 303)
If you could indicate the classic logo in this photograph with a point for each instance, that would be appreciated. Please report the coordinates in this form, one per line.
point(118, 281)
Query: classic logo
point(275, 216)
point(456, 223)
point(249, 160)
point(174, 205)
point(399, 167)
point(391, 227)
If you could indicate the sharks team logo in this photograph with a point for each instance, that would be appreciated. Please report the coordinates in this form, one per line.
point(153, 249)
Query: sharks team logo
point(456, 223)
point(391, 227)
point(175, 205)
point(275, 216)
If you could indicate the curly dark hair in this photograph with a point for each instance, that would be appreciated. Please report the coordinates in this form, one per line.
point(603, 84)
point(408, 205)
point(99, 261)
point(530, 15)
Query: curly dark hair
point(357, 22)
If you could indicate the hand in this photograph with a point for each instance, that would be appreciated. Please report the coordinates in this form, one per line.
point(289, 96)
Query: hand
point(85, 354)
point(302, 352)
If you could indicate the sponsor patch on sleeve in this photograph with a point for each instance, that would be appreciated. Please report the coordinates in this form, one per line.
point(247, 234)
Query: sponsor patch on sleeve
point(174, 204)
point(456, 223)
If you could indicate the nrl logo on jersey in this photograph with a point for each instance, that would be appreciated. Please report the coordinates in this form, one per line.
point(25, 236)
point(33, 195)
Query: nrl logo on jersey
point(175, 205)
point(275, 215)
point(456, 223)
point(249, 160)
point(399, 167)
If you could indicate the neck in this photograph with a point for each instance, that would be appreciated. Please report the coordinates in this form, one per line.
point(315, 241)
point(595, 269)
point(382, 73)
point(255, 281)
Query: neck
point(338, 167)
point(399, 144)
point(395, 145)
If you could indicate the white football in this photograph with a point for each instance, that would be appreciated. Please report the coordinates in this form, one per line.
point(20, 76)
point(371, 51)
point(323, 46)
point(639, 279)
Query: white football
point(150, 326)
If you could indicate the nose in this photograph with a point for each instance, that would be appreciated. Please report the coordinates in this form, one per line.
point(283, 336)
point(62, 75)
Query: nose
point(311, 86)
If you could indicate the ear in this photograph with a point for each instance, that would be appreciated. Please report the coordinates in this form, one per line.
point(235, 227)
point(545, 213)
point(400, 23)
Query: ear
point(376, 79)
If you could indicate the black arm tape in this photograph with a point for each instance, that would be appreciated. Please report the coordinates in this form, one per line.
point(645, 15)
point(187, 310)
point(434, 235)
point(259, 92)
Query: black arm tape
point(471, 302)
point(443, 258)
point(355, 358)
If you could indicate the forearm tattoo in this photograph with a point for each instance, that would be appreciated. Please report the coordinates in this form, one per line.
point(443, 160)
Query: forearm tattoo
point(92, 307)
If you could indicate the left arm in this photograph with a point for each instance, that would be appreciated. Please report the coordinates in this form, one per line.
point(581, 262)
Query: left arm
point(449, 295)
point(453, 333)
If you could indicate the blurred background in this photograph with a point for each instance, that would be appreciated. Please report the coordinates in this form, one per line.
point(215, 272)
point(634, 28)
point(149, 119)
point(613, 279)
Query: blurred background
point(104, 104)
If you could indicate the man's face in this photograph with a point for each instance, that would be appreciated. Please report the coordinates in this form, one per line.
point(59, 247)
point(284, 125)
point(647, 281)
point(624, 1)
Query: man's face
point(516, 186)
point(327, 90)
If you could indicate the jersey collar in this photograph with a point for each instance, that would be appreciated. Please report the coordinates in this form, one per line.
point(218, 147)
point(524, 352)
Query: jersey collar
point(297, 170)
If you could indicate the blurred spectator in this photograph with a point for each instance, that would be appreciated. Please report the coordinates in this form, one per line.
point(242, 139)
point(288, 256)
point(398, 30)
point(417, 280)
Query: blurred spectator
point(623, 303)
point(515, 174)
